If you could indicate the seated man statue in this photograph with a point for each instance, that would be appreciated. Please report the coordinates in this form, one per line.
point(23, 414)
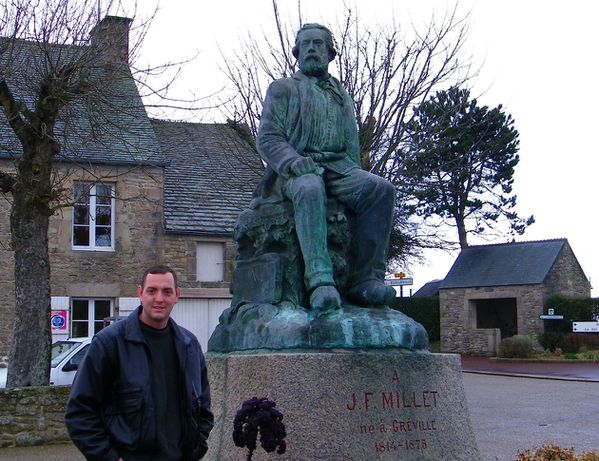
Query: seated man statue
point(309, 140)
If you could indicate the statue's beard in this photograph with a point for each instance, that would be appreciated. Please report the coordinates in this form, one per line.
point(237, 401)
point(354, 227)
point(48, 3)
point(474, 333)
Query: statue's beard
point(313, 66)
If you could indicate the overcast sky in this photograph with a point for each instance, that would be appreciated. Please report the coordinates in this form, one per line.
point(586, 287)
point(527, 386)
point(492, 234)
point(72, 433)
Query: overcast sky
point(540, 63)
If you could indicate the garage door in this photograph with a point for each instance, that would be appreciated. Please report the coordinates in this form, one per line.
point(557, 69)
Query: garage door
point(200, 316)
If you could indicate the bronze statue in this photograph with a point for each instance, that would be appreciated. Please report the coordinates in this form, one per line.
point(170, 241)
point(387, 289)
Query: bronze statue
point(311, 248)
point(308, 137)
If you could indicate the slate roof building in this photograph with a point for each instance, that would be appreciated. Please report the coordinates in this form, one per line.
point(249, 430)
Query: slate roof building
point(428, 289)
point(146, 192)
point(495, 291)
point(211, 172)
point(209, 178)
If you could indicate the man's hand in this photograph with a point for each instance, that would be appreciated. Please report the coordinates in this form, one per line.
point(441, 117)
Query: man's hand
point(302, 166)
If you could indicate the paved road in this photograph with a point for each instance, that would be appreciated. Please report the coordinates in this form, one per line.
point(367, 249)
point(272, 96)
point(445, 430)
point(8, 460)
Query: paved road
point(509, 414)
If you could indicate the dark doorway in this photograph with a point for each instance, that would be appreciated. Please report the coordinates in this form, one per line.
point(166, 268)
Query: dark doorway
point(497, 313)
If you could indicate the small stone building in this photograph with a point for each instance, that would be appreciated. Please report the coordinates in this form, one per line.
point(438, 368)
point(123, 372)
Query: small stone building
point(497, 291)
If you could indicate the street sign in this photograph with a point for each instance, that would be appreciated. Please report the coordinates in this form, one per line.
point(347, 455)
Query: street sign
point(399, 282)
point(551, 317)
point(585, 327)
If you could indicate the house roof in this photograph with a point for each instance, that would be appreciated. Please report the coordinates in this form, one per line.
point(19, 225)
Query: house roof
point(428, 289)
point(109, 128)
point(518, 263)
point(209, 179)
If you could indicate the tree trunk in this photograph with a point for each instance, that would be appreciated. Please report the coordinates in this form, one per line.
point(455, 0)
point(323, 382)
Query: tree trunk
point(29, 359)
point(462, 233)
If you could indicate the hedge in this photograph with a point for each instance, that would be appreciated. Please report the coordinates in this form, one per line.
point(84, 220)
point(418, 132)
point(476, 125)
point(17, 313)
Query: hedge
point(424, 310)
point(558, 333)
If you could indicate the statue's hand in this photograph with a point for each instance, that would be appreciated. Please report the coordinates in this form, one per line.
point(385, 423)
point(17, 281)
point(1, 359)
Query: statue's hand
point(302, 166)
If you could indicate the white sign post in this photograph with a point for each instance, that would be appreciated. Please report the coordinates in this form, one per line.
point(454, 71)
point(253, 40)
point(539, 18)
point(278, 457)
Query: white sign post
point(585, 327)
point(400, 280)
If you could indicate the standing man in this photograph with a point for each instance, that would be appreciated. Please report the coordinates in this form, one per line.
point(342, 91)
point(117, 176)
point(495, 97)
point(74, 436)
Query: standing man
point(142, 393)
point(309, 139)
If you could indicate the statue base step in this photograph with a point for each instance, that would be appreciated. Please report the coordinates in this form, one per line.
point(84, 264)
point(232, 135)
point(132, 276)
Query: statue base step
point(266, 326)
point(347, 405)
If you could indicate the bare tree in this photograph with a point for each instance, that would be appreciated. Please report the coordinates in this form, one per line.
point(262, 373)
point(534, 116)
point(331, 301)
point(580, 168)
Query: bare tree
point(387, 71)
point(67, 91)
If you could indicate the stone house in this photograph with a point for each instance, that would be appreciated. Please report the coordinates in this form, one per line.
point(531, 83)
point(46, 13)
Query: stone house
point(496, 291)
point(210, 175)
point(144, 192)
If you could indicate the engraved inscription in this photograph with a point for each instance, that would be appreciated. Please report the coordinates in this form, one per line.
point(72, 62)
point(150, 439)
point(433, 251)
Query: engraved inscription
point(401, 433)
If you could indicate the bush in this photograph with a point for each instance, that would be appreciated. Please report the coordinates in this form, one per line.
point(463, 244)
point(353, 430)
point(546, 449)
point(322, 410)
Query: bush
point(553, 452)
point(550, 340)
point(517, 347)
point(590, 355)
point(424, 310)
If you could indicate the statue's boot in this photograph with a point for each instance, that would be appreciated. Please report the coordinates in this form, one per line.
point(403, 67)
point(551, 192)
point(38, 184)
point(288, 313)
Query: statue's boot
point(325, 298)
point(371, 292)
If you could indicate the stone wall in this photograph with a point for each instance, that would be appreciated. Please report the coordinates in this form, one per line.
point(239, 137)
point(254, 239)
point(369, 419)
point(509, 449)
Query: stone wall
point(33, 416)
point(566, 277)
point(138, 230)
point(111, 274)
point(458, 316)
point(180, 254)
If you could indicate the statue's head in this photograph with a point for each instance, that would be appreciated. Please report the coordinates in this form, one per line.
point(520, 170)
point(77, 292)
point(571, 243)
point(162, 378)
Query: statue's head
point(314, 49)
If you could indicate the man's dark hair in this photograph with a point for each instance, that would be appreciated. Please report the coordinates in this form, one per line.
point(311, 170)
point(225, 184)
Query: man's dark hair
point(328, 39)
point(161, 269)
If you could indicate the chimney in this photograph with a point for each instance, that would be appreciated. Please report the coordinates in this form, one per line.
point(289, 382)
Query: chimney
point(111, 36)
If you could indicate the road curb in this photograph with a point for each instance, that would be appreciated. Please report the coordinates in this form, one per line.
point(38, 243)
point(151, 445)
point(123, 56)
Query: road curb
point(528, 375)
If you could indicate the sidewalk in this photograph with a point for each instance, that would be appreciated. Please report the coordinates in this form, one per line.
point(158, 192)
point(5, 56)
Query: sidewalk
point(66, 452)
point(566, 370)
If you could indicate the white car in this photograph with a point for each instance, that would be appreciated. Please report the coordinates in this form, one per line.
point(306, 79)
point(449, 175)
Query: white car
point(66, 356)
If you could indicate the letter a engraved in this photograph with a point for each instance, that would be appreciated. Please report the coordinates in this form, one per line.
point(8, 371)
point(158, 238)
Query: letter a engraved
point(395, 378)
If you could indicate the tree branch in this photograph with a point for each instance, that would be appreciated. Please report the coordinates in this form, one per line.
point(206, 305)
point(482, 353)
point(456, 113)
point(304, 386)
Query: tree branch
point(12, 110)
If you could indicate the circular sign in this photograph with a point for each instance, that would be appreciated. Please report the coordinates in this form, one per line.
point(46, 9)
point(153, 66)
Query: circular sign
point(58, 321)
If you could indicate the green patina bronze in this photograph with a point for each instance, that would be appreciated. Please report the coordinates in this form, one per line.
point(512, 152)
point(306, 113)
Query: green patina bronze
point(312, 246)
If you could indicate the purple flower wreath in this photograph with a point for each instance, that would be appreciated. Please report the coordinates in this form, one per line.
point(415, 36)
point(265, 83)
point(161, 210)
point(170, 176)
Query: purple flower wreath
point(258, 414)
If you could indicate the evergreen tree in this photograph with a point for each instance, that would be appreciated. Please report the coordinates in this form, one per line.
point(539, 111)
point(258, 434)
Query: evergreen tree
point(459, 164)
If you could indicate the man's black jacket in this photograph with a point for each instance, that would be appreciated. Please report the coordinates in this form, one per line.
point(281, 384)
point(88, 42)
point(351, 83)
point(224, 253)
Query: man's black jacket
point(111, 413)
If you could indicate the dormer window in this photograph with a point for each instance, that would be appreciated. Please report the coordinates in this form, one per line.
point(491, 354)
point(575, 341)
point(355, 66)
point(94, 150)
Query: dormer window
point(93, 216)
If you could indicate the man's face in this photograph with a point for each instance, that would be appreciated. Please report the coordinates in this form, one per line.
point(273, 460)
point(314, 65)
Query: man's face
point(313, 53)
point(158, 296)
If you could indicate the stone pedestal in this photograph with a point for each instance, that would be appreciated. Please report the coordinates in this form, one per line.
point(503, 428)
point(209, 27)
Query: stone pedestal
point(347, 405)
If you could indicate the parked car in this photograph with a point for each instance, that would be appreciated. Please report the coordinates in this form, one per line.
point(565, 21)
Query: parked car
point(66, 356)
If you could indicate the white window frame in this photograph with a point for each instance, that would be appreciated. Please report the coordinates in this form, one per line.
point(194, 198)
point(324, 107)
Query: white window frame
point(217, 273)
point(91, 303)
point(92, 207)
